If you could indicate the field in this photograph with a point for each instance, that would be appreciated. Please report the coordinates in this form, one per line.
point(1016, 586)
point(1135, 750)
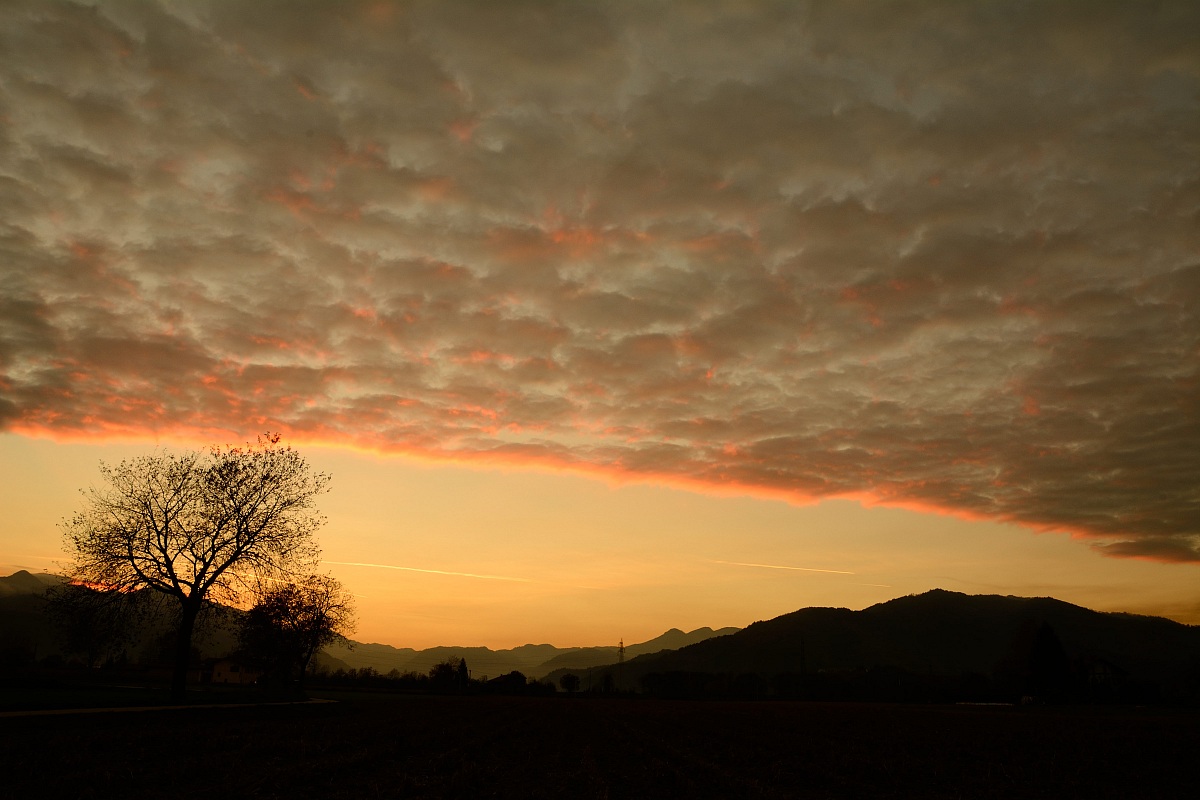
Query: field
point(375, 746)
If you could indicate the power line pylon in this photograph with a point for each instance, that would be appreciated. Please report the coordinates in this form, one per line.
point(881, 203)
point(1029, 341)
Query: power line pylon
point(620, 664)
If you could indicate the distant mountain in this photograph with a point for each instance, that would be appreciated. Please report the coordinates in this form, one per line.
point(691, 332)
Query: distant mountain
point(938, 645)
point(25, 629)
point(991, 643)
point(382, 658)
point(675, 639)
point(483, 661)
point(480, 660)
point(24, 582)
point(534, 660)
point(25, 626)
point(28, 632)
point(585, 657)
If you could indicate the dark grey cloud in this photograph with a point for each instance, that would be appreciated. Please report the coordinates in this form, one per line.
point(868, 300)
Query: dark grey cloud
point(936, 254)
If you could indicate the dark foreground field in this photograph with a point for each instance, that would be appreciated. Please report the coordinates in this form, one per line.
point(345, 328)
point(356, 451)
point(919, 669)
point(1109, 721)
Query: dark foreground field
point(411, 746)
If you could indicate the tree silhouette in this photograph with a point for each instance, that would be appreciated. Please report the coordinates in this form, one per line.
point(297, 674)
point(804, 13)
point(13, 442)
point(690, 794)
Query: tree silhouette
point(462, 674)
point(292, 621)
point(198, 526)
point(450, 675)
point(1048, 668)
point(569, 683)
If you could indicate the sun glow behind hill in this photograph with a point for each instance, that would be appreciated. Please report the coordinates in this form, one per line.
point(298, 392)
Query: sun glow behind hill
point(600, 562)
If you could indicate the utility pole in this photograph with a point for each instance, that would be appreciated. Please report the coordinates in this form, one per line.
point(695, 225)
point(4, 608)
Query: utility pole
point(620, 664)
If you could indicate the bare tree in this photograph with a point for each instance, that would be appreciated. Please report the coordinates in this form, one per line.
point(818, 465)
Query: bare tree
point(197, 527)
point(292, 621)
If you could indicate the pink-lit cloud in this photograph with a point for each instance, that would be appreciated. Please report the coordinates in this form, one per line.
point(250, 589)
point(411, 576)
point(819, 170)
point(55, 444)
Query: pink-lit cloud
point(943, 256)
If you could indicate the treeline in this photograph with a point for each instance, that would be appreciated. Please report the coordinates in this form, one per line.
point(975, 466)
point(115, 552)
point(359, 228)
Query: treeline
point(444, 678)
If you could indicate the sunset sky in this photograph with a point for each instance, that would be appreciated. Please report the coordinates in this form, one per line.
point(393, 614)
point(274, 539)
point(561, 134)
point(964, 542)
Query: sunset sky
point(613, 317)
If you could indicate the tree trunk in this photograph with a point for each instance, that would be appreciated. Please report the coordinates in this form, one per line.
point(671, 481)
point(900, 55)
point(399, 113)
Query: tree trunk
point(183, 649)
point(305, 658)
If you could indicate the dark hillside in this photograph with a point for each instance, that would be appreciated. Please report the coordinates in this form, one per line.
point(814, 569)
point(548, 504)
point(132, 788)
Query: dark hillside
point(988, 644)
point(30, 632)
point(24, 582)
point(585, 657)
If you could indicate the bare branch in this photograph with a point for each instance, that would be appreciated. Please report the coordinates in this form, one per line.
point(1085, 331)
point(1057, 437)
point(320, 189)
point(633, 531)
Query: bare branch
point(199, 526)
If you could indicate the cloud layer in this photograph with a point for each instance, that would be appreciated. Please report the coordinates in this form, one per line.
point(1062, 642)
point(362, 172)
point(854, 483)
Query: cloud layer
point(938, 255)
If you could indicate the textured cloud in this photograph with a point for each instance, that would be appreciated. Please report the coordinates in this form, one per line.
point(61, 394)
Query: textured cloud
point(939, 255)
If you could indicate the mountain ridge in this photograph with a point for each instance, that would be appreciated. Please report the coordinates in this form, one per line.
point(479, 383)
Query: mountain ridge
point(26, 623)
point(533, 660)
point(950, 636)
point(26, 582)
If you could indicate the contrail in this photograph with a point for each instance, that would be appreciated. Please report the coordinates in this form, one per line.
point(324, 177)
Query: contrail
point(777, 566)
point(430, 571)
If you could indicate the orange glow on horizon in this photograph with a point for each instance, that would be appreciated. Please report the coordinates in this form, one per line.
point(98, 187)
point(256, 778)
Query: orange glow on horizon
point(614, 475)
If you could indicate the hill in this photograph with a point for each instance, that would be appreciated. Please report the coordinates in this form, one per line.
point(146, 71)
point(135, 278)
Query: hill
point(935, 646)
point(23, 582)
point(29, 632)
point(585, 657)
point(940, 645)
point(26, 633)
point(533, 660)
point(482, 661)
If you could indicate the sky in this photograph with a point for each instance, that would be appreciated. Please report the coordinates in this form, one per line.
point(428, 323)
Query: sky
point(613, 317)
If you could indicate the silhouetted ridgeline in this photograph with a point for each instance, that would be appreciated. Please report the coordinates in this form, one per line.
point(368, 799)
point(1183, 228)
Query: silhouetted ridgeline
point(534, 660)
point(600, 656)
point(28, 635)
point(23, 583)
point(938, 646)
point(25, 629)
